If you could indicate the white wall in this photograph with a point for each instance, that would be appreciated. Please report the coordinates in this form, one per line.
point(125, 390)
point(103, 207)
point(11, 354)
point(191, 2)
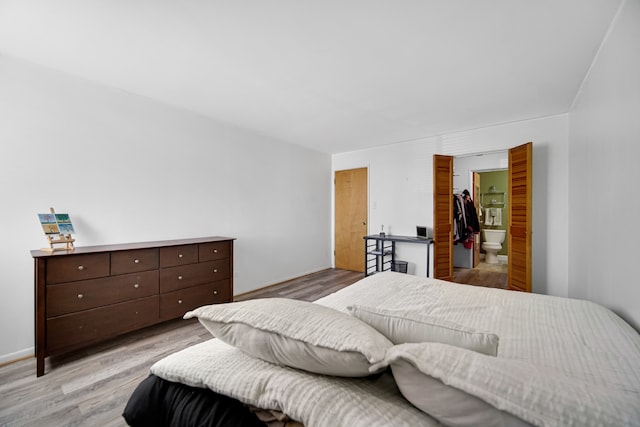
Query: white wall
point(400, 192)
point(464, 166)
point(128, 169)
point(401, 189)
point(604, 156)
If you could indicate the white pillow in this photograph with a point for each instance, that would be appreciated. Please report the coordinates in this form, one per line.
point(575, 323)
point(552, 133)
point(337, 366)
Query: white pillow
point(298, 334)
point(401, 327)
point(449, 405)
point(465, 388)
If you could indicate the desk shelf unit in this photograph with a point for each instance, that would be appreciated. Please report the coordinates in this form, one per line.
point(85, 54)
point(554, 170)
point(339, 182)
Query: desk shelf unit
point(380, 251)
point(378, 255)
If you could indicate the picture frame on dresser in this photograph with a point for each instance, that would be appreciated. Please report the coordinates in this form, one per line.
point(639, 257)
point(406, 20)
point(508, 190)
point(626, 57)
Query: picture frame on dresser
point(96, 293)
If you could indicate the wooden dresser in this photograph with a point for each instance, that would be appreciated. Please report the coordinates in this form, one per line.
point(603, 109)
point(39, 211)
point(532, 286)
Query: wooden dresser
point(95, 293)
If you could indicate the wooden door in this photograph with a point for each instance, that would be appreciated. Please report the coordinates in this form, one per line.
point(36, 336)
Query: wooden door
point(476, 203)
point(351, 218)
point(520, 160)
point(443, 217)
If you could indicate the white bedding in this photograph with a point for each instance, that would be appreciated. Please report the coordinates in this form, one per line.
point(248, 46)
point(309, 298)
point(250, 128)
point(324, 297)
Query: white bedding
point(577, 339)
point(314, 400)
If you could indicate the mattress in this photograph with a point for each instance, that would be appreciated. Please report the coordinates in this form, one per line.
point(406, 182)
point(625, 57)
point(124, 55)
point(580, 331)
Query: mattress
point(579, 341)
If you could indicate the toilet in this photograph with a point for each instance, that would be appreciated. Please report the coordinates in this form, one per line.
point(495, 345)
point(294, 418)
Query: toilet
point(492, 244)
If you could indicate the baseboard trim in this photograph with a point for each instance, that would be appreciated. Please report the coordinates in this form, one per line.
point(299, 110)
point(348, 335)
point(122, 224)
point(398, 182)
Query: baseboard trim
point(7, 359)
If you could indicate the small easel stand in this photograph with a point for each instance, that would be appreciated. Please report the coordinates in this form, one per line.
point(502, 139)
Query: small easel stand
point(62, 239)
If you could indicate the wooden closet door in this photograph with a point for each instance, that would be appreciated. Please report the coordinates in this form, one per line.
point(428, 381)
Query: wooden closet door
point(443, 217)
point(519, 201)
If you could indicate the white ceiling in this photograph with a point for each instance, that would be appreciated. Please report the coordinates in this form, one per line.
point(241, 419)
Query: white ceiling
point(332, 75)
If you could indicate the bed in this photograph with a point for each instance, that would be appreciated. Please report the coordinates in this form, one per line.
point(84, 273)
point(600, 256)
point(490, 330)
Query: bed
point(400, 350)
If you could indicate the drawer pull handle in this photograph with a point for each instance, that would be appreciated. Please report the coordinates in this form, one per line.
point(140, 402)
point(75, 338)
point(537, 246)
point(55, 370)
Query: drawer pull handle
point(80, 296)
point(179, 277)
point(215, 292)
point(215, 251)
point(215, 270)
point(179, 301)
point(136, 285)
point(81, 267)
point(179, 255)
point(136, 261)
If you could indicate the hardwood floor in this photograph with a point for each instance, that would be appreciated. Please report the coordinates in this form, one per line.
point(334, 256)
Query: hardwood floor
point(307, 288)
point(91, 387)
point(486, 275)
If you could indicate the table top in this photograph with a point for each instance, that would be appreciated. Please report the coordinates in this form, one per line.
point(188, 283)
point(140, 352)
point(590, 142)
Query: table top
point(396, 238)
point(45, 253)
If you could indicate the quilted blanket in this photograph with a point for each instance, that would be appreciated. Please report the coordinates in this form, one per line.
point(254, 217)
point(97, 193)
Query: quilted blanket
point(574, 339)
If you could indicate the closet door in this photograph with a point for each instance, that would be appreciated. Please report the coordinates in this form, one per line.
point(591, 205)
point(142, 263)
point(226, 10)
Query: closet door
point(443, 217)
point(520, 218)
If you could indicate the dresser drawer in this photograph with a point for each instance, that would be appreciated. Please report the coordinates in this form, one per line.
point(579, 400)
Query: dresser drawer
point(185, 276)
point(123, 262)
point(176, 304)
point(77, 267)
point(71, 331)
point(178, 255)
point(213, 250)
point(71, 297)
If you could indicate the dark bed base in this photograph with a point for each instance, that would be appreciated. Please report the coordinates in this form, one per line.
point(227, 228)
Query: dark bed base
point(157, 402)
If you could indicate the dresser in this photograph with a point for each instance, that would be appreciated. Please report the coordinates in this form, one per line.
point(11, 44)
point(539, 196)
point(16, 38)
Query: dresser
point(95, 293)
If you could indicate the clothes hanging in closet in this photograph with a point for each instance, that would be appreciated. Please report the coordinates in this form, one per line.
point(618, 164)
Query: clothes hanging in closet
point(465, 219)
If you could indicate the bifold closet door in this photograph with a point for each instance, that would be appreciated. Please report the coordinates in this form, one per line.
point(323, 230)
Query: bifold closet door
point(520, 160)
point(443, 217)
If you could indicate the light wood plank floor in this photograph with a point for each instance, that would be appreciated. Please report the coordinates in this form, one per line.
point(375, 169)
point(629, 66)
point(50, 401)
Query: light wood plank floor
point(486, 275)
point(91, 387)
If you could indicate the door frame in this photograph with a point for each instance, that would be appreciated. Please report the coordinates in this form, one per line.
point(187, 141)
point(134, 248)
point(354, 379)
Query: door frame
point(522, 230)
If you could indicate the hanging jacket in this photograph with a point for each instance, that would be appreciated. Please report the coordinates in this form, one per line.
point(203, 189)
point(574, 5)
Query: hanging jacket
point(472, 216)
point(461, 231)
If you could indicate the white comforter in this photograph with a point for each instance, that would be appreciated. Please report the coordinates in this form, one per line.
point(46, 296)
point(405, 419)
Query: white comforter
point(573, 338)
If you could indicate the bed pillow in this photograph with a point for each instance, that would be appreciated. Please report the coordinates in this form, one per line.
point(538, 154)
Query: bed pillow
point(466, 388)
point(297, 334)
point(401, 326)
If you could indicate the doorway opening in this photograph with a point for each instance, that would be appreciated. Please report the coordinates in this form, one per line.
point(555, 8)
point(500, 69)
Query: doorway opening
point(519, 164)
point(485, 177)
